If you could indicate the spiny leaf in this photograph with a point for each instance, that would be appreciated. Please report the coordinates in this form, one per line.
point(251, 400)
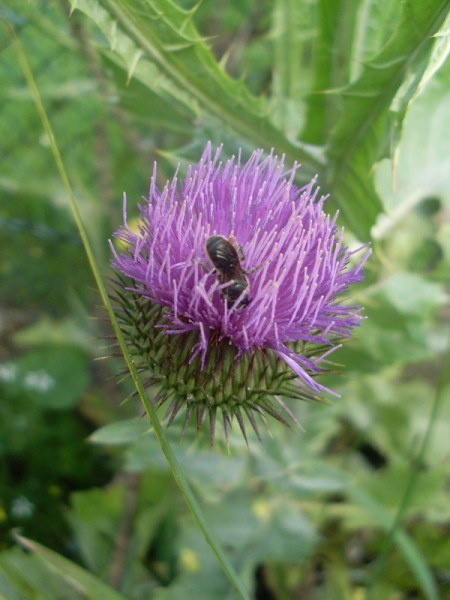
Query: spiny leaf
point(366, 127)
point(157, 42)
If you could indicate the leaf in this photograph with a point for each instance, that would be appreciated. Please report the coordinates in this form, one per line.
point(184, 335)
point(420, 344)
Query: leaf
point(335, 25)
point(422, 166)
point(366, 127)
point(54, 378)
point(91, 587)
point(23, 576)
point(400, 312)
point(264, 529)
point(423, 297)
point(147, 106)
point(120, 432)
point(278, 465)
point(439, 55)
point(51, 332)
point(157, 42)
point(96, 516)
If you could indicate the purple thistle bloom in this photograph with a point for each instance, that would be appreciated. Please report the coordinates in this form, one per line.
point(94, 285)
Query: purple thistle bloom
point(291, 266)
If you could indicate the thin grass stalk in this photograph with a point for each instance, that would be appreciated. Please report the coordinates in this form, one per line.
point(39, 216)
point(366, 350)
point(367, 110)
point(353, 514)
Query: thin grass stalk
point(415, 474)
point(176, 469)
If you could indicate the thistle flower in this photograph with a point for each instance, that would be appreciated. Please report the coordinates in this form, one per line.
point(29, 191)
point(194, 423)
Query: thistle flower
point(231, 296)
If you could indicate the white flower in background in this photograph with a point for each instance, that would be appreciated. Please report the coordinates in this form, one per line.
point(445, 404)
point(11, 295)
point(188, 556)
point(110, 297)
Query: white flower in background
point(22, 508)
point(39, 381)
point(8, 372)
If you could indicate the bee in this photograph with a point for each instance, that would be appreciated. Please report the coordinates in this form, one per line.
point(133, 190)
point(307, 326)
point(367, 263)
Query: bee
point(226, 256)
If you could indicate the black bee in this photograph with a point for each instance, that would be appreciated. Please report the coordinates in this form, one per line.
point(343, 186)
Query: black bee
point(226, 256)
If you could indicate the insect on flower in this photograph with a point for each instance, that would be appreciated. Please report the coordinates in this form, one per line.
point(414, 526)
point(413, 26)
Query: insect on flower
point(226, 256)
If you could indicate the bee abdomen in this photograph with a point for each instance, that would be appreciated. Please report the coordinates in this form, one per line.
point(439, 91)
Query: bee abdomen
point(222, 255)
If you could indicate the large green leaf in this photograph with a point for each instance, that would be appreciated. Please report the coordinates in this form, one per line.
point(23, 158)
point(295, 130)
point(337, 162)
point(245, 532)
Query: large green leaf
point(346, 34)
point(157, 43)
point(367, 126)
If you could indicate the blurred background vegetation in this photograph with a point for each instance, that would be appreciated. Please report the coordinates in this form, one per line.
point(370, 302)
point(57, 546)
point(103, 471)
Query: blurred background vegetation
point(357, 92)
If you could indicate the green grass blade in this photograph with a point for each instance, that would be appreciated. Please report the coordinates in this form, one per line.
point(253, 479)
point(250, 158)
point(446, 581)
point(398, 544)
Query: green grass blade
point(79, 579)
point(405, 544)
point(175, 467)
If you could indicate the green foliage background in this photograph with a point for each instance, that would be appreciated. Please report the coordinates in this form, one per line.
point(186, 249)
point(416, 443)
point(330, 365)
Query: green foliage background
point(356, 506)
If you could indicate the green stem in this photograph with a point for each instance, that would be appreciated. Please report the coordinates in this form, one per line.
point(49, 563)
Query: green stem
point(175, 467)
point(415, 473)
